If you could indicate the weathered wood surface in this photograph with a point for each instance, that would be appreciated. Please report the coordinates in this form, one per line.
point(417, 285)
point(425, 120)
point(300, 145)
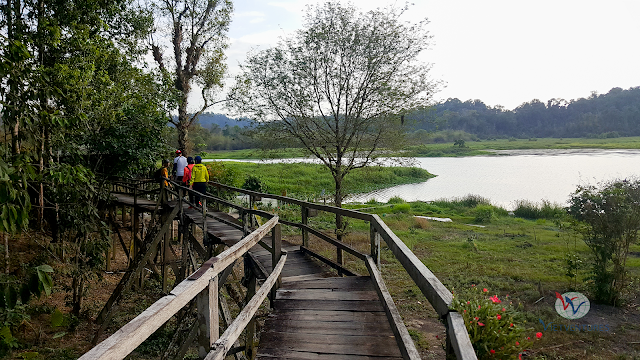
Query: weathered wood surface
point(324, 318)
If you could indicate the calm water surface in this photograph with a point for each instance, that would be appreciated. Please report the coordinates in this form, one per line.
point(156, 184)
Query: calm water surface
point(533, 175)
point(520, 174)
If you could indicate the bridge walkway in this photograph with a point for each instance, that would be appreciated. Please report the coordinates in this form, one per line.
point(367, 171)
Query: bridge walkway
point(316, 315)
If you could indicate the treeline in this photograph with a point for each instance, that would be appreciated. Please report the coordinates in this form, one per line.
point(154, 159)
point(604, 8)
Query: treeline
point(614, 114)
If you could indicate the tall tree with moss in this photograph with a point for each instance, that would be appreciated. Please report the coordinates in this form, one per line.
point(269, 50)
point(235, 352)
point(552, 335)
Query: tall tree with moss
point(188, 46)
point(339, 87)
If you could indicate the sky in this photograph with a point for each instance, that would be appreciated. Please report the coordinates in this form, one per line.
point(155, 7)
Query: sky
point(502, 52)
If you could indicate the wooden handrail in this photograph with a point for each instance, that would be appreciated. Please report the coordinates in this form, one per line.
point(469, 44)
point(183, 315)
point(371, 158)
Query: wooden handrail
point(224, 344)
point(127, 338)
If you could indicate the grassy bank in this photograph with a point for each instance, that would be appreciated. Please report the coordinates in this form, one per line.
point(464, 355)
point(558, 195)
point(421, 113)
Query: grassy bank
point(482, 147)
point(471, 148)
point(310, 180)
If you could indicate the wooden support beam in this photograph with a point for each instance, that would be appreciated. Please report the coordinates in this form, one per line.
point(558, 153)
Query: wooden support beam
point(407, 347)
point(458, 341)
point(208, 317)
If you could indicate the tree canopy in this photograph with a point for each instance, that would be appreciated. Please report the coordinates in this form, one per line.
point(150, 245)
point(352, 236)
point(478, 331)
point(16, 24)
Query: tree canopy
point(339, 86)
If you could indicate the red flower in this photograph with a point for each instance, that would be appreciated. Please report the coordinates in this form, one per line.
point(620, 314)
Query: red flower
point(480, 324)
point(519, 356)
point(492, 351)
point(511, 325)
point(503, 309)
point(495, 299)
point(499, 317)
point(468, 302)
point(465, 311)
point(517, 343)
point(528, 338)
point(473, 285)
point(476, 318)
point(485, 290)
point(479, 306)
point(539, 335)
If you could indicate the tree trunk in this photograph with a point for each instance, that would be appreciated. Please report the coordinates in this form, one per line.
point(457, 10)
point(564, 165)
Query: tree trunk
point(338, 202)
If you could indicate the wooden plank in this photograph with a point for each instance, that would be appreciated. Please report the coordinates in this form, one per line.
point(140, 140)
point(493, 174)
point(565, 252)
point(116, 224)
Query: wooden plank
point(225, 343)
point(328, 327)
point(333, 316)
point(355, 306)
point(405, 343)
point(354, 283)
point(332, 344)
point(338, 244)
point(294, 278)
point(324, 294)
point(458, 337)
point(437, 294)
point(292, 354)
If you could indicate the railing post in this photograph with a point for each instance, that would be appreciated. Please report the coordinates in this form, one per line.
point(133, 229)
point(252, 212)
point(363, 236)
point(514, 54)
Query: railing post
point(250, 345)
point(375, 244)
point(205, 236)
point(305, 234)
point(208, 317)
point(276, 245)
point(245, 222)
point(134, 219)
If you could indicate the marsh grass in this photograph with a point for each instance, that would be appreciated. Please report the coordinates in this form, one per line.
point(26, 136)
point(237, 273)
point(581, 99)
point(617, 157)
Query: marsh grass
point(311, 181)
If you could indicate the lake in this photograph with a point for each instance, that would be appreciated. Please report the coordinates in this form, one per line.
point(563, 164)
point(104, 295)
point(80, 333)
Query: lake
point(515, 175)
point(518, 175)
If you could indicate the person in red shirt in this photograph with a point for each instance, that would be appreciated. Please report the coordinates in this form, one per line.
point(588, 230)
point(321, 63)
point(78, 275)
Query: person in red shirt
point(187, 176)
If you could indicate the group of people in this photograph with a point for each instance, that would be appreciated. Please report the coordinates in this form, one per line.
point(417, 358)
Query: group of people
point(190, 172)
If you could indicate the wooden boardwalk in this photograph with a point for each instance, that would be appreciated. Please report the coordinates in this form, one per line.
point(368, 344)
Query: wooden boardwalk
point(317, 315)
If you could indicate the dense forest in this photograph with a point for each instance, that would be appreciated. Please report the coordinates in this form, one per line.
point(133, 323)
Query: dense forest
point(614, 114)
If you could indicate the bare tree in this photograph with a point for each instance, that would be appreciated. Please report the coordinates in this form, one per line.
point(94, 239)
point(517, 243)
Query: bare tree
point(195, 31)
point(339, 87)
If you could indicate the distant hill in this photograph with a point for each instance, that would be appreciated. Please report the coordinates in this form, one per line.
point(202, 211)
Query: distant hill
point(616, 113)
point(205, 120)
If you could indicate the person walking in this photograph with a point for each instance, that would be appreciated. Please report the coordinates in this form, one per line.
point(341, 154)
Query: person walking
point(179, 163)
point(199, 178)
point(187, 176)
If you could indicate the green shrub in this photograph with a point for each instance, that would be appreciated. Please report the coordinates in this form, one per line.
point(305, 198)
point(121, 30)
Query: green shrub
point(545, 210)
point(401, 208)
point(396, 200)
point(484, 213)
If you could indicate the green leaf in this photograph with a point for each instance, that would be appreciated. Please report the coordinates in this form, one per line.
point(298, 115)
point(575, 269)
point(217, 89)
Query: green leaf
point(46, 281)
point(5, 334)
point(59, 335)
point(57, 318)
point(29, 355)
point(45, 268)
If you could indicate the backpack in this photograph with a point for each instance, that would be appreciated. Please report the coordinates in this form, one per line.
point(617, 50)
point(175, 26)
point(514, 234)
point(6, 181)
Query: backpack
point(157, 175)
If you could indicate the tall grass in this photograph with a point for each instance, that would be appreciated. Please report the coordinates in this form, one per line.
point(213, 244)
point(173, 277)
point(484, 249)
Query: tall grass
point(544, 210)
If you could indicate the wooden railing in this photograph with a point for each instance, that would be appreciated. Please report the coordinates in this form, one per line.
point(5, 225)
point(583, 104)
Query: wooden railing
point(437, 294)
point(202, 286)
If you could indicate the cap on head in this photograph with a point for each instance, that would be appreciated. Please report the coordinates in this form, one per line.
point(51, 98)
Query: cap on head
point(198, 159)
point(189, 160)
point(178, 152)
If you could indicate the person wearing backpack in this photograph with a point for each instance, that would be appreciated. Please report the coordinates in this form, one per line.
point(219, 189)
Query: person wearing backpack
point(199, 178)
point(163, 173)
